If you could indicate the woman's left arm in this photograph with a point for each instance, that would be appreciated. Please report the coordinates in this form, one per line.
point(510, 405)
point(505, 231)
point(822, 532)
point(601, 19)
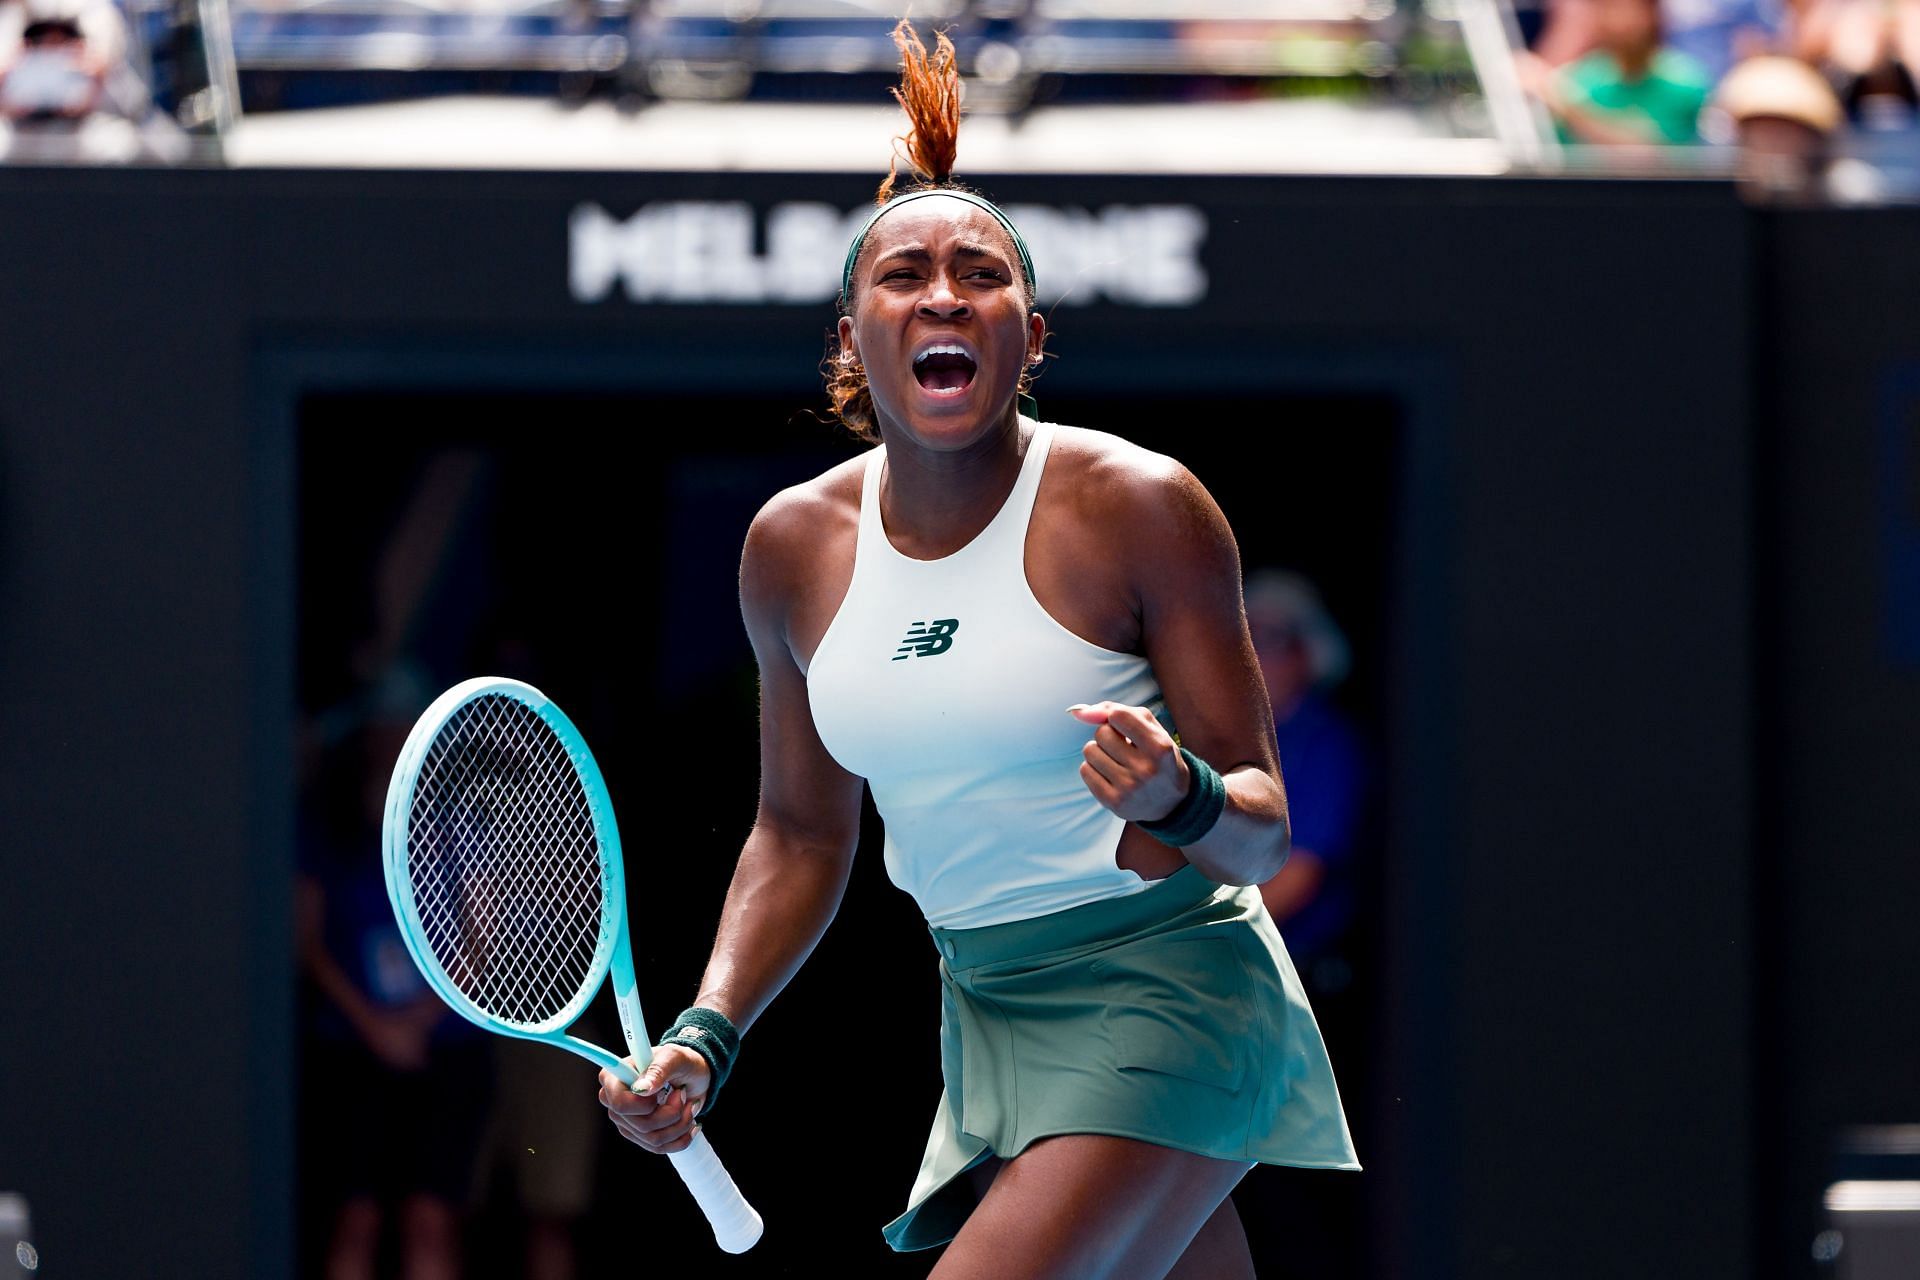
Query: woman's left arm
point(1193, 626)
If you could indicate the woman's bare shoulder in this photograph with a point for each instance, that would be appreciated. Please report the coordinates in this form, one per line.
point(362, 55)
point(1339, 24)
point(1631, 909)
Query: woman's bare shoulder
point(795, 512)
point(799, 528)
point(1114, 479)
point(1156, 523)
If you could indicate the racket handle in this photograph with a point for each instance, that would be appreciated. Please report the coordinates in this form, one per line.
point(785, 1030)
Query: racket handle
point(735, 1225)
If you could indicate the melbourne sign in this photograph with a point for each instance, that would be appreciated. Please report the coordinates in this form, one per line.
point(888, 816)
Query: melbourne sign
point(699, 251)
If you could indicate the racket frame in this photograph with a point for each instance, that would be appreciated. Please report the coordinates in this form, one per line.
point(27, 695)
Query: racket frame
point(735, 1223)
point(613, 951)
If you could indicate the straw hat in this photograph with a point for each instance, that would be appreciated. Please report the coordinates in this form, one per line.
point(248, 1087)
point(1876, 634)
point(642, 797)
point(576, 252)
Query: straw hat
point(1780, 88)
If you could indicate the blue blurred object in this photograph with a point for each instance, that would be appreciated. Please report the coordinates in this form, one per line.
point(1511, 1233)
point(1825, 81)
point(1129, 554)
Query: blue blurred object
point(1892, 148)
point(1708, 30)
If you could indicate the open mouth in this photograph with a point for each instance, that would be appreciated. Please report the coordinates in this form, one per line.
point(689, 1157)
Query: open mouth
point(945, 369)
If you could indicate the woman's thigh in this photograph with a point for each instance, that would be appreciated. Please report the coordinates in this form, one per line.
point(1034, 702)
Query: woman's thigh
point(1087, 1205)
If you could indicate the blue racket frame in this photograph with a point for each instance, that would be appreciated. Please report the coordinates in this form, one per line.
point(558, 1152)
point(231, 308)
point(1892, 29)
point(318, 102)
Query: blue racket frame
point(613, 952)
point(736, 1225)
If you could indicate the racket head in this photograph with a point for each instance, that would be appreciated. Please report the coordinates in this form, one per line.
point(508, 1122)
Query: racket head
point(499, 834)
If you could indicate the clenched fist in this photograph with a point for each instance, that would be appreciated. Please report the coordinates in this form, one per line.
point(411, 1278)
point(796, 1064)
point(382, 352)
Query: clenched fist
point(658, 1111)
point(1132, 765)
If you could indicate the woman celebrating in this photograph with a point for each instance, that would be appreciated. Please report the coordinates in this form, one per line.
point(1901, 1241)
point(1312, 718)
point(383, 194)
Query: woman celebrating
point(996, 623)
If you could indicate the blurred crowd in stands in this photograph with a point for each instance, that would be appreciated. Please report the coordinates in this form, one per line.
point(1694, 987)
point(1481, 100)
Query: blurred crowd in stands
point(1819, 95)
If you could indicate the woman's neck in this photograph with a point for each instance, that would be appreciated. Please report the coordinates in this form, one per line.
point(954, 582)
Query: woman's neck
point(935, 501)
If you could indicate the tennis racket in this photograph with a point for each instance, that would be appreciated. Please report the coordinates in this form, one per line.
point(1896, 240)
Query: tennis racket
point(503, 867)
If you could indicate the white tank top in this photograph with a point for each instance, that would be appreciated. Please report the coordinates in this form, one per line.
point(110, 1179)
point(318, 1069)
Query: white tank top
point(945, 685)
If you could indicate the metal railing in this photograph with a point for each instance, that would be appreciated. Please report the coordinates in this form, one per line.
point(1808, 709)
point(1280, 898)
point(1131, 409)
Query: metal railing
point(1449, 59)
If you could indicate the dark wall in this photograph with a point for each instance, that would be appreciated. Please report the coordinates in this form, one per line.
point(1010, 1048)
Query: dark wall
point(138, 965)
point(1840, 754)
point(1568, 1088)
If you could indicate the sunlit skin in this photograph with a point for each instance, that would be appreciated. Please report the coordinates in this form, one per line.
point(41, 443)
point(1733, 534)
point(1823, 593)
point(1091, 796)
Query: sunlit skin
point(943, 270)
point(1856, 36)
point(1125, 549)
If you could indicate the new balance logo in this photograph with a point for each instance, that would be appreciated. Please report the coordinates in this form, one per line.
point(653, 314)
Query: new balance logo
point(928, 639)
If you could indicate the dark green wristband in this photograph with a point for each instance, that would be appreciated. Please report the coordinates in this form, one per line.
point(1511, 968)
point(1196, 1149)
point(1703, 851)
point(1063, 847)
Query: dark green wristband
point(1196, 813)
point(708, 1033)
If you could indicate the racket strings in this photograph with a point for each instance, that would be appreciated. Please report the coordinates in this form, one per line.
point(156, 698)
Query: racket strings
point(504, 862)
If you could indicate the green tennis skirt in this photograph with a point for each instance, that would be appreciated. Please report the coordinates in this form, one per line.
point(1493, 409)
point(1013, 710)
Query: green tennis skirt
point(1172, 1015)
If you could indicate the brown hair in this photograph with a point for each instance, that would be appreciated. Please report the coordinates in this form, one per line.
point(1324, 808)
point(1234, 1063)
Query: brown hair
point(929, 92)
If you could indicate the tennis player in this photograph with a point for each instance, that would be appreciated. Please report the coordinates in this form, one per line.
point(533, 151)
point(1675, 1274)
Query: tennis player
point(1029, 640)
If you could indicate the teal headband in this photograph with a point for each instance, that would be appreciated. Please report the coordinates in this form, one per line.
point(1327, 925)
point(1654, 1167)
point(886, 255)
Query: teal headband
point(980, 202)
point(1027, 405)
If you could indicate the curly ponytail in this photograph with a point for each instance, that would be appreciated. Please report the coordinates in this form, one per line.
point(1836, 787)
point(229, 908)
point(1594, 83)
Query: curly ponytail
point(929, 92)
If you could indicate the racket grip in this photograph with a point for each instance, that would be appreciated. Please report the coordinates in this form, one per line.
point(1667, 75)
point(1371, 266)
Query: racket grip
point(735, 1224)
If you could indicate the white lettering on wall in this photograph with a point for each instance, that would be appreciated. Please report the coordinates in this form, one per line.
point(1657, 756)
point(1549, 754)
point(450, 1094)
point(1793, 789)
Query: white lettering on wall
point(680, 251)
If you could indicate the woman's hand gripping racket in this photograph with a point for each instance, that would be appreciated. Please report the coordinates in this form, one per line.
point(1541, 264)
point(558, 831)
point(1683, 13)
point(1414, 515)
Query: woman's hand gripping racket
point(503, 867)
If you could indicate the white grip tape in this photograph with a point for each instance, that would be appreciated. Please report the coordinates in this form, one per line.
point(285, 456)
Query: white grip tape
point(735, 1225)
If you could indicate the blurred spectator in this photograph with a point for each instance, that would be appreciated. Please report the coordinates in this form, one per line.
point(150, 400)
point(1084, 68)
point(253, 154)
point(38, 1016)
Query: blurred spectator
point(544, 1135)
point(392, 1078)
point(1632, 89)
point(1714, 33)
point(1870, 54)
point(1303, 655)
point(1787, 122)
point(52, 69)
point(1868, 50)
point(67, 90)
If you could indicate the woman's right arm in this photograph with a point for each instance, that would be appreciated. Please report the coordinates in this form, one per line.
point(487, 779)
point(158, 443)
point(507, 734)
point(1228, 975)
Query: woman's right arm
point(793, 868)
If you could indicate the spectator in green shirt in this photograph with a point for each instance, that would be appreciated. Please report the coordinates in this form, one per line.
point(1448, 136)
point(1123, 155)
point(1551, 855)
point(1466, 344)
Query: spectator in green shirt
point(1631, 90)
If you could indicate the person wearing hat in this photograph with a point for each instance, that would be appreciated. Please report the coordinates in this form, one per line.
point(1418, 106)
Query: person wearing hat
point(1787, 122)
